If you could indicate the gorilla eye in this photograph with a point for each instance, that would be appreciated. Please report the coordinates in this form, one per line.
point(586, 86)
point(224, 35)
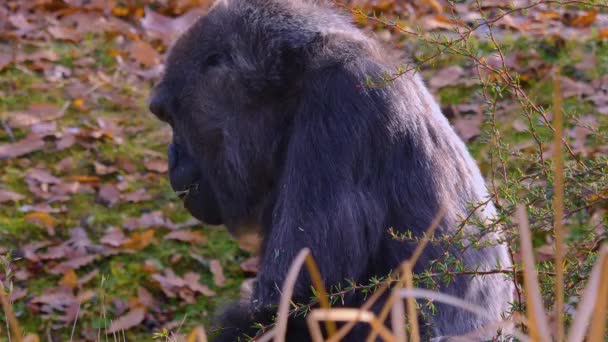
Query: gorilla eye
point(212, 60)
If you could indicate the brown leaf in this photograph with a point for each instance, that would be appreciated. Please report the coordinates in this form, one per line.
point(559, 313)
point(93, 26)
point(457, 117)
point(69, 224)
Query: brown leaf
point(167, 28)
point(144, 53)
point(218, 273)
point(102, 169)
point(109, 195)
point(10, 196)
point(137, 196)
point(197, 335)
point(186, 236)
point(42, 176)
point(20, 22)
point(251, 265)
point(64, 33)
point(156, 165)
point(129, 320)
point(66, 141)
point(43, 220)
point(25, 146)
point(146, 298)
point(584, 20)
point(74, 263)
point(446, 77)
point(5, 60)
point(572, 87)
point(36, 113)
point(114, 237)
point(140, 241)
point(191, 279)
point(468, 127)
point(69, 279)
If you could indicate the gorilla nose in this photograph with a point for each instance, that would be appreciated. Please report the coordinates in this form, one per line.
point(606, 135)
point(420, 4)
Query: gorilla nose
point(157, 104)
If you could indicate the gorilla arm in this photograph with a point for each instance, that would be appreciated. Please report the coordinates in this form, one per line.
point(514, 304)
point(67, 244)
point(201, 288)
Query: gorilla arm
point(317, 204)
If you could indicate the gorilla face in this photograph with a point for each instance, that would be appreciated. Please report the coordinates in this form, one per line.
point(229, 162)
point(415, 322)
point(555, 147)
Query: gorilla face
point(229, 104)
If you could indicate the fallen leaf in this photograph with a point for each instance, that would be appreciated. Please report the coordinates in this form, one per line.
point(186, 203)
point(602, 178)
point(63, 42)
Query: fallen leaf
point(137, 196)
point(43, 220)
point(468, 127)
point(191, 279)
point(74, 263)
point(585, 19)
point(446, 77)
point(36, 113)
point(218, 273)
point(114, 237)
point(250, 265)
point(69, 279)
point(140, 241)
point(186, 236)
point(198, 334)
point(10, 196)
point(156, 165)
point(25, 146)
point(109, 195)
point(102, 169)
point(127, 321)
point(144, 53)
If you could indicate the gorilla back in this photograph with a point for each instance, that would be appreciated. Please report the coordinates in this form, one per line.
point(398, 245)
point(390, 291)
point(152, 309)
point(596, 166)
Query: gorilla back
point(276, 132)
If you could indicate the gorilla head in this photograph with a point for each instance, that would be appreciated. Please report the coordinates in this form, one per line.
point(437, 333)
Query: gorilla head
point(230, 92)
point(275, 128)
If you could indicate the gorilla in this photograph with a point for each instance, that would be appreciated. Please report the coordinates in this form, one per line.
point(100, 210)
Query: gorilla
point(278, 133)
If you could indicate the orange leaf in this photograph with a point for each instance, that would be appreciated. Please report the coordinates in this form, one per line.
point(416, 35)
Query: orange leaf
point(120, 11)
point(197, 335)
point(70, 279)
point(585, 19)
point(78, 104)
point(603, 34)
point(140, 240)
point(41, 219)
point(84, 179)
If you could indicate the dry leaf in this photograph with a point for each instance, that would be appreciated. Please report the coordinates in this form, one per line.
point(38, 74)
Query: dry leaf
point(109, 195)
point(140, 241)
point(114, 237)
point(218, 273)
point(131, 319)
point(447, 77)
point(144, 53)
point(69, 279)
point(156, 165)
point(585, 19)
point(25, 146)
point(43, 220)
point(10, 196)
point(74, 263)
point(186, 236)
point(197, 335)
point(251, 265)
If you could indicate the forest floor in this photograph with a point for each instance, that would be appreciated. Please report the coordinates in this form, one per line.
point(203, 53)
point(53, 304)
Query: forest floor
point(94, 241)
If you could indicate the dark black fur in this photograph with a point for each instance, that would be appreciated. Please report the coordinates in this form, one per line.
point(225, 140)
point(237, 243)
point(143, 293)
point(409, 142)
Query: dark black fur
point(274, 127)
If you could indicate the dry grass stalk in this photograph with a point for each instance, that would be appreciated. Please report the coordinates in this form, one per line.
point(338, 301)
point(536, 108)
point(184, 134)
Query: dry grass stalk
point(405, 274)
point(287, 291)
point(484, 332)
point(538, 324)
point(558, 205)
point(589, 299)
point(10, 315)
point(600, 314)
point(345, 314)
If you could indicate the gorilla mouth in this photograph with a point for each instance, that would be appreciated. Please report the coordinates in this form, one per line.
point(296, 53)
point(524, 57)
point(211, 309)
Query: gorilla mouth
point(182, 194)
